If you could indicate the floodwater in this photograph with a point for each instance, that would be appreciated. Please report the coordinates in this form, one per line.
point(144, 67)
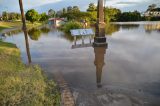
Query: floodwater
point(130, 65)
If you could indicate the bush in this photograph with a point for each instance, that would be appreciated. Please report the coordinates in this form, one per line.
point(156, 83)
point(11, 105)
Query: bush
point(71, 25)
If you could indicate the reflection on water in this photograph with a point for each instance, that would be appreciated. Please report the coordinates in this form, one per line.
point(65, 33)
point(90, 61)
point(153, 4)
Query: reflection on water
point(34, 34)
point(83, 43)
point(45, 29)
point(152, 27)
point(111, 28)
point(132, 58)
point(14, 32)
point(99, 63)
point(130, 26)
point(27, 48)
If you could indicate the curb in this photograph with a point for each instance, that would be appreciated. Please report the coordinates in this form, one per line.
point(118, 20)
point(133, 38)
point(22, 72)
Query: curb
point(66, 94)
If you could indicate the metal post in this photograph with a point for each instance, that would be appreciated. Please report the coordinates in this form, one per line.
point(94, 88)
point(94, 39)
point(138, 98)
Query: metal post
point(24, 28)
point(100, 39)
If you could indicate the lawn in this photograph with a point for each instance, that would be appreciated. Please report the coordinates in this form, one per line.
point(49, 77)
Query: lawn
point(10, 24)
point(17, 24)
point(22, 85)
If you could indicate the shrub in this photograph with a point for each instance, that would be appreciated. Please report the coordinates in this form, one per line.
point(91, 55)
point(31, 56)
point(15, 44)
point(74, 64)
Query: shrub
point(71, 25)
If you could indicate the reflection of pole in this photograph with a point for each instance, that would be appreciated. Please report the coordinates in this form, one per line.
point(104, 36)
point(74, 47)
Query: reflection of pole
point(75, 40)
point(100, 39)
point(24, 28)
point(82, 39)
point(90, 39)
point(99, 63)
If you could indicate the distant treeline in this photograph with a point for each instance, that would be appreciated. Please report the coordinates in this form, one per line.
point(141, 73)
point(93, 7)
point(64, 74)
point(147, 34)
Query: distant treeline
point(6, 16)
point(73, 13)
point(111, 14)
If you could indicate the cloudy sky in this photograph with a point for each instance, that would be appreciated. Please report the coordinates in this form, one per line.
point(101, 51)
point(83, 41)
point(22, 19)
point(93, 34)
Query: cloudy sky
point(44, 5)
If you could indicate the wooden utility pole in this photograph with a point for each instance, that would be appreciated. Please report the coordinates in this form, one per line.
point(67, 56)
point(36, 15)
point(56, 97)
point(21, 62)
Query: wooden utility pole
point(100, 45)
point(24, 28)
point(100, 39)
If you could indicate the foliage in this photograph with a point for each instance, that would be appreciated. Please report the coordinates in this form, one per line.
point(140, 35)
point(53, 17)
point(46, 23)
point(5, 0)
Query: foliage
point(43, 17)
point(45, 30)
point(21, 85)
point(77, 16)
point(12, 16)
point(75, 9)
point(69, 12)
point(151, 7)
point(71, 25)
point(91, 7)
point(112, 14)
point(32, 15)
point(34, 33)
point(92, 16)
point(69, 9)
point(51, 13)
point(5, 16)
point(59, 13)
point(130, 16)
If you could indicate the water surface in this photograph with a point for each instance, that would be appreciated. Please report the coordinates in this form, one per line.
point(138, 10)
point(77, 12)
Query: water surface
point(131, 62)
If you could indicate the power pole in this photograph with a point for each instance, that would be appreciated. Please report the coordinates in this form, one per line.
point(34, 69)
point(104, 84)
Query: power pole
point(100, 45)
point(24, 28)
point(99, 63)
point(100, 39)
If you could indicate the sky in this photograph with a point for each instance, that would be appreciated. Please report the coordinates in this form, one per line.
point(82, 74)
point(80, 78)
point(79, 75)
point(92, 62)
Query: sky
point(45, 5)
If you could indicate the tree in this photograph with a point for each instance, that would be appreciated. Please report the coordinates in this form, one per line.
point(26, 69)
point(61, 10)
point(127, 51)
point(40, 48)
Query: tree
point(130, 16)
point(93, 16)
point(64, 11)
point(12, 16)
point(112, 14)
point(75, 9)
point(59, 13)
point(151, 7)
point(5, 16)
point(43, 17)
point(32, 15)
point(18, 16)
point(69, 9)
point(51, 13)
point(92, 7)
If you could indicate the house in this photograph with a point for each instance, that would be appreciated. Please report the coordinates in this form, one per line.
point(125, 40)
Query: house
point(56, 22)
point(153, 12)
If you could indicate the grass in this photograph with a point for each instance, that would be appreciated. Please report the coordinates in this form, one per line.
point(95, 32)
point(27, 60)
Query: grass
point(17, 24)
point(10, 24)
point(22, 85)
